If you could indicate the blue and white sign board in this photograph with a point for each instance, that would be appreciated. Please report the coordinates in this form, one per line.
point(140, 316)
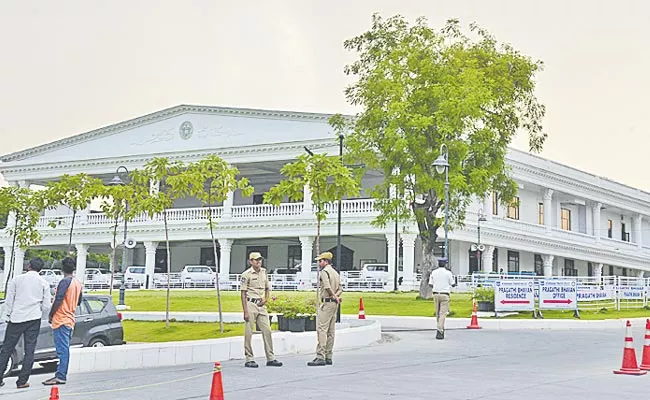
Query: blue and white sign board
point(558, 294)
point(514, 295)
point(587, 293)
point(631, 292)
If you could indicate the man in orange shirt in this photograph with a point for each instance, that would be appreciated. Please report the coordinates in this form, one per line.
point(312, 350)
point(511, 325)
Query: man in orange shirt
point(66, 300)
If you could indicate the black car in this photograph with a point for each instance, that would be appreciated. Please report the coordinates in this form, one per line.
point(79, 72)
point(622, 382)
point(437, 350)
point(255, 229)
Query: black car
point(97, 324)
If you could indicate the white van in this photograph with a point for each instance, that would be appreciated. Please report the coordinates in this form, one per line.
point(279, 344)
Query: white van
point(376, 271)
point(135, 276)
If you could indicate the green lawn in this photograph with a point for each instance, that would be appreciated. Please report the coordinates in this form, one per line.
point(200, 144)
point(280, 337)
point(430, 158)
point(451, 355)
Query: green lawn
point(399, 304)
point(149, 331)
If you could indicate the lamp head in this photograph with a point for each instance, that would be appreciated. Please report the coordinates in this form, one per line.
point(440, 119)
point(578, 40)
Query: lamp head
point(441, 163)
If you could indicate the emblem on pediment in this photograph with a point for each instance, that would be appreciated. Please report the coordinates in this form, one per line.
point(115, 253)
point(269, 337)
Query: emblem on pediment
point(186, 129)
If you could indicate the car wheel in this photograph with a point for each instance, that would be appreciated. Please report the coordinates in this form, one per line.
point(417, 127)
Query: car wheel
point(10, 365)
point(97, 342)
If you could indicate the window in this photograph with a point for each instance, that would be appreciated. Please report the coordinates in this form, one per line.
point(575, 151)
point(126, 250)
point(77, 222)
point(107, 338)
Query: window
point(569, 268)
point(625, 236)
point(495, 203)
point(513, 209)
point(513, 261)
point(566, 219)
point(96, 306)
point(294, 255)
point(539, 265)
point(540, 213)
point(590, 269)
point(611, 270)
point(610, 228)
point(258, 199)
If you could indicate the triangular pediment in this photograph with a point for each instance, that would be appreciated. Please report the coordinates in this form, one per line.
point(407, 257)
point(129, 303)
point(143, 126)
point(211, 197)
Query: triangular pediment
point(181, 129)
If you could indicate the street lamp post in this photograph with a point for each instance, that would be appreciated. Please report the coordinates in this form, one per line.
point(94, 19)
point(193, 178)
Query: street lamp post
point(121, 177)
point(481, 218)
point(442, 165)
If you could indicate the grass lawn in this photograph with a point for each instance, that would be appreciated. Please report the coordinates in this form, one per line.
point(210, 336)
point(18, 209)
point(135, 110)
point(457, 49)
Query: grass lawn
point(155, 331)
point(399, 304)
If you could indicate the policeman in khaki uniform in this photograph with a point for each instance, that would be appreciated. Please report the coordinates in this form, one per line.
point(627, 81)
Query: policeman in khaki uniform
point(330, 294)
point(255, 290)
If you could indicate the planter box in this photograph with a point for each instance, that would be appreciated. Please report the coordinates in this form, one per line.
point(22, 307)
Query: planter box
point(283, 323)
point(310, 325)
point(296, 324)
point(485, 306)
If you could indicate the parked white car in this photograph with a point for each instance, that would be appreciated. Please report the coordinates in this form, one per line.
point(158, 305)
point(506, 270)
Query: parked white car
point(135, 276)
point(51, 276)
point(200, 275)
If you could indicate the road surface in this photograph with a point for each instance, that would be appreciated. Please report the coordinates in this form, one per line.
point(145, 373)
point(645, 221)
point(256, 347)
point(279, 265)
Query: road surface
point(468, 365)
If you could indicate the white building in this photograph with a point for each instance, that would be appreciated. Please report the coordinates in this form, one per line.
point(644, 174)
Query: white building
point(568, 222)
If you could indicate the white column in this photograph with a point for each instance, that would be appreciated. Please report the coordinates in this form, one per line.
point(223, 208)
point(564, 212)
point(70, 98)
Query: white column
point(150, 262)
point(638, 233)
point(390, 241)
point(307, 204)
point(307, 245)
point(547, 261)
point(598, 269)
point(19, 261)
point(487, 206)
point(408, 260)
point(227, 205)
point(82, 257)
point(596, 215)
point(224, 261)
point(487, 259)
point(548, 209)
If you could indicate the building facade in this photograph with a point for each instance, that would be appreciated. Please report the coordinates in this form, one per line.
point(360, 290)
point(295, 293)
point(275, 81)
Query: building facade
point(564, 222)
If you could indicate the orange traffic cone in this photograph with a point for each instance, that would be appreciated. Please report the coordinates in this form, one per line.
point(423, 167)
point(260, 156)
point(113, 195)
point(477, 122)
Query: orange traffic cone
point(362, 312)
point(54, 393)
point(474, 323)
point(645, 360)
point(217, 384)
point(629, 366)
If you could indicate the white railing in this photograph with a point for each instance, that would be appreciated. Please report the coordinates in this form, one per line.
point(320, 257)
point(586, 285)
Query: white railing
point(357, 207)
point(267, 210)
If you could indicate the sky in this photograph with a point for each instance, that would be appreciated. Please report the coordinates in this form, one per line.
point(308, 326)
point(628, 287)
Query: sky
point(71, 66)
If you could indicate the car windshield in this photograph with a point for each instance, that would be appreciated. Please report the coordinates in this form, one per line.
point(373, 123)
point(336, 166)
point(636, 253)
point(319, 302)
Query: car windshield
point(136, 270)
point(198, 269)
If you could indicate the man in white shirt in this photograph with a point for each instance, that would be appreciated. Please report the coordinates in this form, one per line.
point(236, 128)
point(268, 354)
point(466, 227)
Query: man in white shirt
point(441, 280)
point(27, 296)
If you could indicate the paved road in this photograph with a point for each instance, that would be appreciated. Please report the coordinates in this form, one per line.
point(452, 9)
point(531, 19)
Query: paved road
point(487, 365)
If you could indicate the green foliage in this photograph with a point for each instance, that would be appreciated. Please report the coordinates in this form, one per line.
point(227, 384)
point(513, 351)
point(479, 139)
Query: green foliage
point(27, 206)
point(161, 170)
point(74, 191)
point(484, 293)
point(328, 178)
point(419, 88)
point(118, 202)
point(292, 307)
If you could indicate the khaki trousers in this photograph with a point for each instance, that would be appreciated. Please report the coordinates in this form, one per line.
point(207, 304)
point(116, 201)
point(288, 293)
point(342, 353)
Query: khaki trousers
point(441, 304)
point(325, 327)
point(259, 315)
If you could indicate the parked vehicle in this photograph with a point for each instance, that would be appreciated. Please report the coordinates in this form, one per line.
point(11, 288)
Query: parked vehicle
point(51, 276)
point(135, 276)
point(198, 275)
point(101, 279)
point(98, 324)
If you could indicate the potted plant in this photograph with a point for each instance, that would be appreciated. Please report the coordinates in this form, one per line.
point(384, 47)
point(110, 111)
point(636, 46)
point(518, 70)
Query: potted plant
point(310, 315)
point(484, 296)
point(292, 313)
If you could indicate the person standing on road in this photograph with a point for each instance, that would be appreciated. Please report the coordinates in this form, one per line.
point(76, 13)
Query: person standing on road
point(441, 280)
point(330, 294)
point(27, 297)
point(62, 319)
point(255, 291)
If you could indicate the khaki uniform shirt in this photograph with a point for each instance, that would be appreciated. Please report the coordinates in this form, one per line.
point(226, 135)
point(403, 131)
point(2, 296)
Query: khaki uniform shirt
point(255, 283)
point(329, 279)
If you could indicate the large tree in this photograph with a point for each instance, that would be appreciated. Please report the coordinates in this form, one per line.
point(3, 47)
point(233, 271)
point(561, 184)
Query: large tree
point(419, 88)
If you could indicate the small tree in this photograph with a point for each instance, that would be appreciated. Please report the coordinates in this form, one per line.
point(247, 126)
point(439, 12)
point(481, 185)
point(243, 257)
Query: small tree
point(328, 179)
point(26, 206)
point(419, 88)
point(157, 202)
point(115, 205)
point(211, 180)
point(75, 192)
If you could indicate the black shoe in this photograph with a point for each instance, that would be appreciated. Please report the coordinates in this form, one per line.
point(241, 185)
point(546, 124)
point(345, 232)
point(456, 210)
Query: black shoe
point(317, 362)
point(328, 361)
point(440, 335)
point(251, 364)
point(2, 383)
point(273, 363)
point(22, 385)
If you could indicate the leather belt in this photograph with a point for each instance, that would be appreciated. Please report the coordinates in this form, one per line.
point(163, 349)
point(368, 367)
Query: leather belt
point(256, 301)
point(441, 293)
point(329, 300)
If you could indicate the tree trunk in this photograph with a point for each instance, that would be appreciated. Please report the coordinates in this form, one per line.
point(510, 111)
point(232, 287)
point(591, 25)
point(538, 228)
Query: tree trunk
point(74, 214)
point(113, 260)
point(214, 250)
point(9, 268)
point(169, 269)
point(429, 261)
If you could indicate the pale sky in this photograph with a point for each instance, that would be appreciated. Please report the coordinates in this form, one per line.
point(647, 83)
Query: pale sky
point(70, 66)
